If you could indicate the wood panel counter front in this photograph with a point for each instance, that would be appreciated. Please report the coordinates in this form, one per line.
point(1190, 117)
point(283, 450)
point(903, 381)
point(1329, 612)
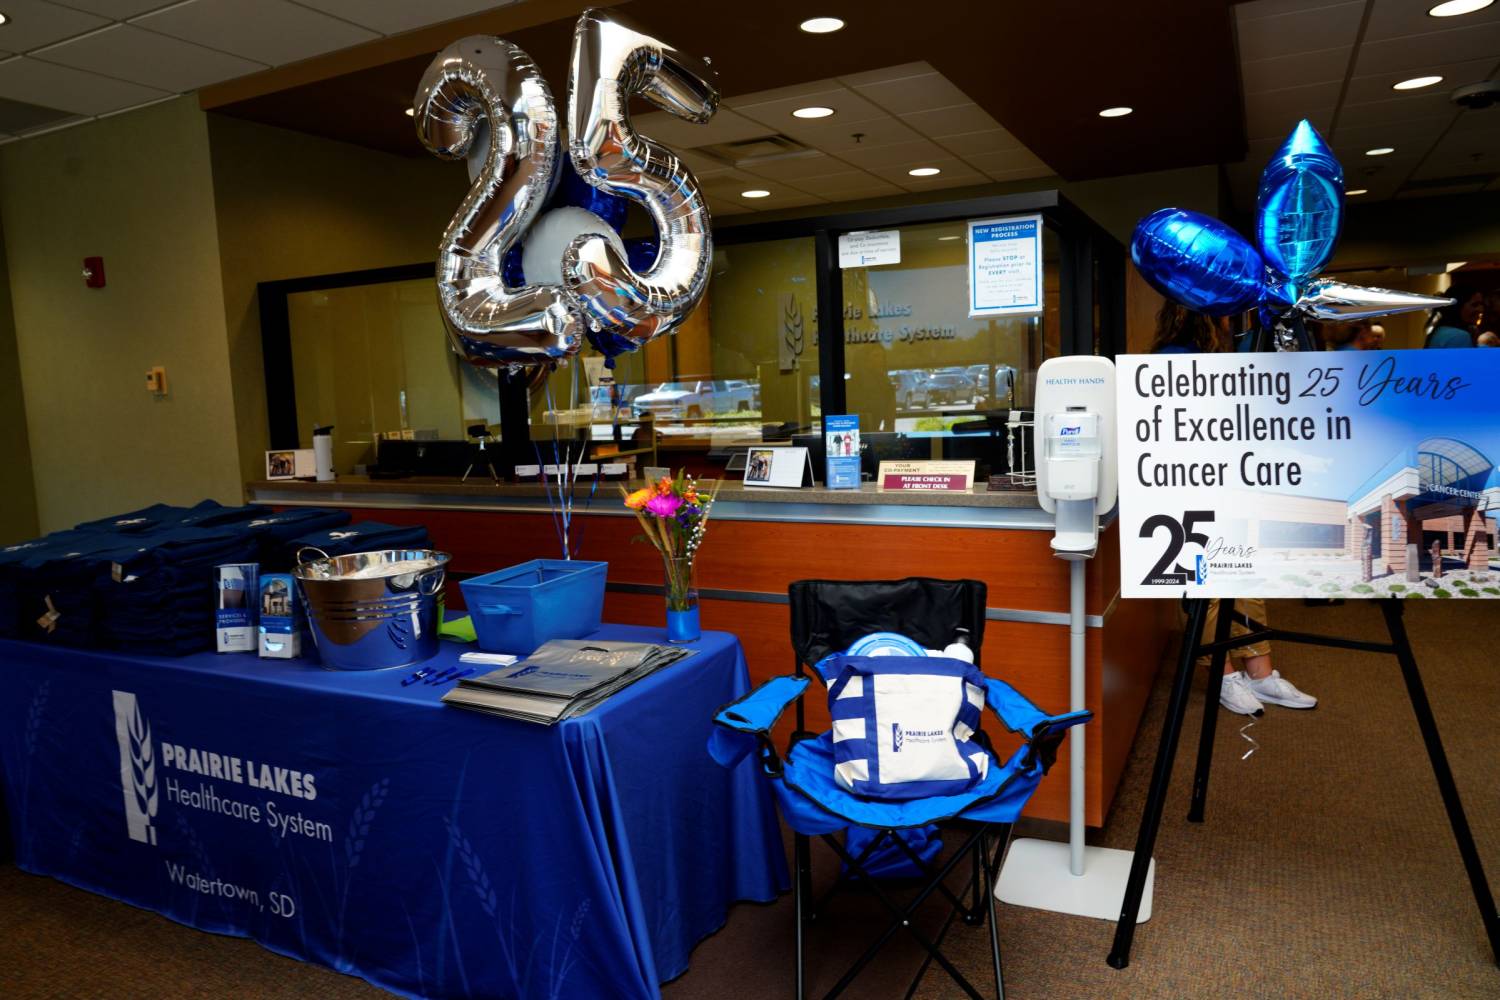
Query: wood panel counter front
point(761, 540)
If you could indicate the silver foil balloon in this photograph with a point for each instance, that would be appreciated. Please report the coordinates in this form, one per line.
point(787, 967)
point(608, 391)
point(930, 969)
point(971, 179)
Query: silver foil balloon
point(477, 80)
point(614, 60)
point(1326, 299)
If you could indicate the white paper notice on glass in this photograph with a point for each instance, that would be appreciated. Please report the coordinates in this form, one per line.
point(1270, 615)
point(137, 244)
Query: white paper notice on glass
point(870, 248)
point(1005, 266)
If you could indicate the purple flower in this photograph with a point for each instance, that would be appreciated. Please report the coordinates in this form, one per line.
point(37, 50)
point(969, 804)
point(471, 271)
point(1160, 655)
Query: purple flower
point(664, 505)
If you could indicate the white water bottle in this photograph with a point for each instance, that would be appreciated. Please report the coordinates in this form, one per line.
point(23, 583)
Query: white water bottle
point(323, 452)
point(959, 648)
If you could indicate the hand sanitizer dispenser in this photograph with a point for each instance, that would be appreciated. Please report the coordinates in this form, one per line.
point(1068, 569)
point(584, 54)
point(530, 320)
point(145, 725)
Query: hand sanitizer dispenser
point(1075, 469)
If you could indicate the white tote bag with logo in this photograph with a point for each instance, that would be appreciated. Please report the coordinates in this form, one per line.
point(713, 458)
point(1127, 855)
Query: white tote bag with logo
point(902, 725)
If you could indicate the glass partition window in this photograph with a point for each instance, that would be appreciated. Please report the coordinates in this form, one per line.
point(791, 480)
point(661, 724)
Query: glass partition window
point(743, 368)
point(373, 361)
point(915, 362)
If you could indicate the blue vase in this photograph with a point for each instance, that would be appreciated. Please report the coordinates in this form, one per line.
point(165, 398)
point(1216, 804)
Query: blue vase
point(682, 626)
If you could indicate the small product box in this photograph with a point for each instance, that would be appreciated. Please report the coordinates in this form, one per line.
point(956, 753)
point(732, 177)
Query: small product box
point(234, 615)
point(280, 617)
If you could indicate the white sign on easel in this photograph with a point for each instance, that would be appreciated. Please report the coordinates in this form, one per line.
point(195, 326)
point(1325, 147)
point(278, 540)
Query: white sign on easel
point(1005, 266)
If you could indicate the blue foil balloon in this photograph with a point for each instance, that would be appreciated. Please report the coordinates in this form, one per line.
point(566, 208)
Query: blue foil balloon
point(574, 190)
point(641, 253)
point(1299, 208)
point(1198, 261)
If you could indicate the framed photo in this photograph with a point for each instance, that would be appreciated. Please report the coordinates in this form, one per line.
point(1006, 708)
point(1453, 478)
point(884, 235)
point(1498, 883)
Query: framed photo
point(291, 463)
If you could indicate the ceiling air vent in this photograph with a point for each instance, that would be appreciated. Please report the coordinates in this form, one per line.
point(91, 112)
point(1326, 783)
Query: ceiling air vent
point(747, 152)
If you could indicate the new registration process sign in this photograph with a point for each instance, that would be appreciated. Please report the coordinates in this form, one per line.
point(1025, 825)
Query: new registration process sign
point(1329, 474)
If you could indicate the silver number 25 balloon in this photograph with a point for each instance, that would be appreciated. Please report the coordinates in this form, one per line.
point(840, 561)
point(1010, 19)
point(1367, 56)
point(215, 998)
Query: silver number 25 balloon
point(613, 61)
point(487, 79)
point(478, 81)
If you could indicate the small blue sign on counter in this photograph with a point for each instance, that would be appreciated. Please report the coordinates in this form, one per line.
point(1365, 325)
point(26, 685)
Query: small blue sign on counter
point(841, 435)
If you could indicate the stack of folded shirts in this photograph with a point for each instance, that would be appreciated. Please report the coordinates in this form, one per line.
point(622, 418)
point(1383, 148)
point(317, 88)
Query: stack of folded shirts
point(364, 536)
point(156, 594)
point(50, 583)
point(16, 592)
point(277, 529)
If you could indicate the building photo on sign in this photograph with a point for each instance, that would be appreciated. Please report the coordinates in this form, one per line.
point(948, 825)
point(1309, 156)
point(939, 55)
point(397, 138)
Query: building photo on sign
point(1305, 475)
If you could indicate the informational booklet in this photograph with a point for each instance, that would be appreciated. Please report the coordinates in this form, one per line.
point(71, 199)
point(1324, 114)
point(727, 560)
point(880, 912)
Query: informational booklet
point(562, 678)
point(841, 438)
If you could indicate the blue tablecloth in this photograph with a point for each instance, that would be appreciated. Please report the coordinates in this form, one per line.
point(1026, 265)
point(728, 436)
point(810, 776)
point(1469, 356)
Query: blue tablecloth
point(345, 819)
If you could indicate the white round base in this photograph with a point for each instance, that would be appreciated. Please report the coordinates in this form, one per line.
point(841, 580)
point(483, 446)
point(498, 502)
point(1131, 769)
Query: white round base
point(1036, 874)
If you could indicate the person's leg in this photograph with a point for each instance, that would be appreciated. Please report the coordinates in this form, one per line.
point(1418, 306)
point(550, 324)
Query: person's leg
point(1264, 681)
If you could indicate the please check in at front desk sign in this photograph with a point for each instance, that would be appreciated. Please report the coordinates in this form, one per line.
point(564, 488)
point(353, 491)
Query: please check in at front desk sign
point(1333, 474)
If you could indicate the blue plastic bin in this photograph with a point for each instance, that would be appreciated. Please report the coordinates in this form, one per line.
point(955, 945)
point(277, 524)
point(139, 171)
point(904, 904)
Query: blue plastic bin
point(517, 609)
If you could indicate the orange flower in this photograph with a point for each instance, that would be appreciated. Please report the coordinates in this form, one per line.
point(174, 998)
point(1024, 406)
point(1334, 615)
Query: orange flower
point(665, 486)
point(638, 499)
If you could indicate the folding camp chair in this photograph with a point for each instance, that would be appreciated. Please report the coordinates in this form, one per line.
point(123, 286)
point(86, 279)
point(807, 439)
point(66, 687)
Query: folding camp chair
point(826, 617)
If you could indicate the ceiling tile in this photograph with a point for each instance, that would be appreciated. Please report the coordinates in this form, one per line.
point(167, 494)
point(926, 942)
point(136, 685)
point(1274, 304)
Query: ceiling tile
point(144, 57)
point(34, 24)
point(833, 136)
point(678, 133)
point(18, 116)
point(700, 164)
point(795, 167)
point(1013, 159)
point(1406, 136)
point(951, 121)
point(1397, 109)
point(1272, 8)
point(1305, 30)
point(893, 155)
point(847, 186)
point(1417, 52)
point(995, 140)
point(1300, 70)
point(725, 206)
point(51, 86)
point(115, 10)
point(269, 31)
point(1399, 20)
point(1023, 174)
point(1277, 123)
point(1377, 86)
point(392, 16)
point(849, 108)
point(915, 93)
point(902, 72)
point(954, 173)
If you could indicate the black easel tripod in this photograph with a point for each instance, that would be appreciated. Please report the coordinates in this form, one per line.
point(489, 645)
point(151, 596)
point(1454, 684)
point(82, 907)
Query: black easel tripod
point(1161, 776)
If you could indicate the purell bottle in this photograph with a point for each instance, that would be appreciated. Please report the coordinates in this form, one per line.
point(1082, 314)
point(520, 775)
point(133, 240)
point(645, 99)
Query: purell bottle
point(959, 648)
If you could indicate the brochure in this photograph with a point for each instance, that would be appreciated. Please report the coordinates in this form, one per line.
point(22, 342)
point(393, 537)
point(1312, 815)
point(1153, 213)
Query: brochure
point(841, 437)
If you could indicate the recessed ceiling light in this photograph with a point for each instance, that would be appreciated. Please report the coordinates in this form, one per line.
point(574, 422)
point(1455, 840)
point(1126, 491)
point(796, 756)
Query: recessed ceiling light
point(755, 193)
point(821, 25)
point(1453, 8)
point(813, 112)
point(411, 112)
point(1380, 150)
point(1119, 112)
point(942, 238)
point(924, 171)
point(4, 18)
point(1356, 191)
point(1417, 83)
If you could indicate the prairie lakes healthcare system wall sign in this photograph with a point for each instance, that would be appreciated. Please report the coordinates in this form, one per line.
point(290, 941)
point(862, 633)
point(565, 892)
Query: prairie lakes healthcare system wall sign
point(1005, 266)
point(1301, 474)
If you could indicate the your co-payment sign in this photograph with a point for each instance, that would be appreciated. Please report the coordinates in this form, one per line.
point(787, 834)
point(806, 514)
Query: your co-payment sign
point(1330, 474)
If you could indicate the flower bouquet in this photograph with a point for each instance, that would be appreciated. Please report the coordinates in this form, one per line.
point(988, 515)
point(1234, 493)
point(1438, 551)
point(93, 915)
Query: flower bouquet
point(673, 516)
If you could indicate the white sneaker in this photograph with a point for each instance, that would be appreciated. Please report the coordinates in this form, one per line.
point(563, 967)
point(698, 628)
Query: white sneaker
point(1237, 696)
point(1277, 690)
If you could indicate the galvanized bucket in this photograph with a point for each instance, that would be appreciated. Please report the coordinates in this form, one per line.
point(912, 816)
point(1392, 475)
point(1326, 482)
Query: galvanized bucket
point(372, 610)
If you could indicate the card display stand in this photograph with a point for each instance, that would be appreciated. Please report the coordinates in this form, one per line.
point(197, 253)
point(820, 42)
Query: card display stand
point(1193, 647)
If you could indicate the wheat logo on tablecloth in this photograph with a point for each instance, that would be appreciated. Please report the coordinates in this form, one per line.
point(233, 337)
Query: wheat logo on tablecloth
point(137, 767)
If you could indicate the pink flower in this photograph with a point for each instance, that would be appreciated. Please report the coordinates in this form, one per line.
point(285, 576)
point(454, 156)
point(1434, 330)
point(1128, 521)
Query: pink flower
point(664, 505)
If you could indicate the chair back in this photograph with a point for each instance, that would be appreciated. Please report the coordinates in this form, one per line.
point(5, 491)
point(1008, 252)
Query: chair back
point(828, 615)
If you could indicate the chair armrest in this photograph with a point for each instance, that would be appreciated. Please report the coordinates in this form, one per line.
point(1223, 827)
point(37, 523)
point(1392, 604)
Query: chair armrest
point(1043, 733)
point(741, 724)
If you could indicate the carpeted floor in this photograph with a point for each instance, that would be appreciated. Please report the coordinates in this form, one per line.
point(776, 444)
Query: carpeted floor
point(1325, 869)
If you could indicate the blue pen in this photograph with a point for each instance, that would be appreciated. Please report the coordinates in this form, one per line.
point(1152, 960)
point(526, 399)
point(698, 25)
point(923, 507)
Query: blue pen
point(440, 677)
point(416, 677)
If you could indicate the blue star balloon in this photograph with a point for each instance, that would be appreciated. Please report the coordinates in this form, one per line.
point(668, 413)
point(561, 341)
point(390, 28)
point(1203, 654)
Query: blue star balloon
point(1205, 265)
point(1299, 209)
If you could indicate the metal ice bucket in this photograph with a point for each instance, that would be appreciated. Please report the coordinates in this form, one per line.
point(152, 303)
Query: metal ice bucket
point(372, 610)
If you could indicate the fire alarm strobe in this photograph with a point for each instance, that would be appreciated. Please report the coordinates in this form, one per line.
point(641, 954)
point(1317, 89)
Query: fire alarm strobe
point(93, 272)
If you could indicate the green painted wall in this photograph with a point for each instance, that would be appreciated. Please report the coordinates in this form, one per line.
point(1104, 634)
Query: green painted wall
point(290, 205)
point(135, 189)
point(18, 520)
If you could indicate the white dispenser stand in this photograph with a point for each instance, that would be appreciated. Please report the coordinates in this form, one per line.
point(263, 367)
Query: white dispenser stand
point(1075, 473)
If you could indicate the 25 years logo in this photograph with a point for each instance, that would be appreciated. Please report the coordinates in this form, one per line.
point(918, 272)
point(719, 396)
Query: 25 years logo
point(137, 767)
point(1168, 571)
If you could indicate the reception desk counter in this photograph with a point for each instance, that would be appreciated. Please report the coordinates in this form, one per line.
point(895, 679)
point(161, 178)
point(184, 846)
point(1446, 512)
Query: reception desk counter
point(759, 540)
